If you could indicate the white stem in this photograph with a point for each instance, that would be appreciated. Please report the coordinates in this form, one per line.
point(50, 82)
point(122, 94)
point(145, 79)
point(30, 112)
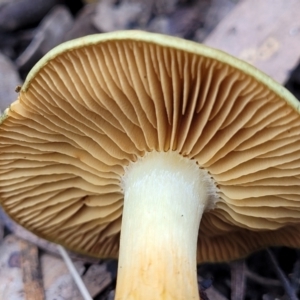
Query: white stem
point(81, 286)
point(165, 196)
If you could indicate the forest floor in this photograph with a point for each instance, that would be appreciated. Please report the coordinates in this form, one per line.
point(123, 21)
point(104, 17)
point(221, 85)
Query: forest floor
point(28, 30)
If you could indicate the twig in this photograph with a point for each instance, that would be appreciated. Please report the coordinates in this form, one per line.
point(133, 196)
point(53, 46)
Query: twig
point(238, 279)
point(295, 277)
point(285, 282)
point(31, 275)
point(261, 280)
point(82, 288)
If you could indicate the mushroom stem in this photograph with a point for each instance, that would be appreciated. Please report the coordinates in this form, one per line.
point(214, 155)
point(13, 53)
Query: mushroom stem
point(165, 196)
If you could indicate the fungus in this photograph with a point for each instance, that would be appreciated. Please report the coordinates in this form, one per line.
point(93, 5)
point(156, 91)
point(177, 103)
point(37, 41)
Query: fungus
point(166, 132)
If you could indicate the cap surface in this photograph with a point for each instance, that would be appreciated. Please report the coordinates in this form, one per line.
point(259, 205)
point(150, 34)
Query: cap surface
point(93, 105)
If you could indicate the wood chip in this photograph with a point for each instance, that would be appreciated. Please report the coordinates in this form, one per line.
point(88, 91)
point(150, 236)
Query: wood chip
point(110, 17)
point(211, 16)
point(19, 270)
point(49, 34)
point(83, 24)
point(238, 279)
point(213, 294)
point(32, 281)
point(11, 283)
point(58, 282)
point(208, 292)
point(96, 279)
point(111, 295)
point(264, 33)
point(186, 19)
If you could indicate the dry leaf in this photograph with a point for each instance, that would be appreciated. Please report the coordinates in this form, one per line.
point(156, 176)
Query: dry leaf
point(58, 282)
point(49, 34)
point(19, 270)
point(9, 79)
point(11, 284)
point(96, 279)
point(83, 24)
point(110, 17)
point(19, 13)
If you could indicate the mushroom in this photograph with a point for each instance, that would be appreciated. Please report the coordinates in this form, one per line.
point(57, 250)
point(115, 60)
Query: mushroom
point(120, 143)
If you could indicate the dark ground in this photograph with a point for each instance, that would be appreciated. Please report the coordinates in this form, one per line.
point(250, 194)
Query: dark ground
point(30, 28)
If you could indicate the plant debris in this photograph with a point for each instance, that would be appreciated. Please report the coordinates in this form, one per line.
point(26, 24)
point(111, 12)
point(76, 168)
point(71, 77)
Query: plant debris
point(29, 29)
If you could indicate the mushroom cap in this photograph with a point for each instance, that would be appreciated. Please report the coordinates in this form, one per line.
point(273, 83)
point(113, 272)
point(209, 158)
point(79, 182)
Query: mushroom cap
point(93, 105)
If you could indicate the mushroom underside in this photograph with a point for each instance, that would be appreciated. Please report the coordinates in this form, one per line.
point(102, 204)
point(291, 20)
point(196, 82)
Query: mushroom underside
point(93, 110)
